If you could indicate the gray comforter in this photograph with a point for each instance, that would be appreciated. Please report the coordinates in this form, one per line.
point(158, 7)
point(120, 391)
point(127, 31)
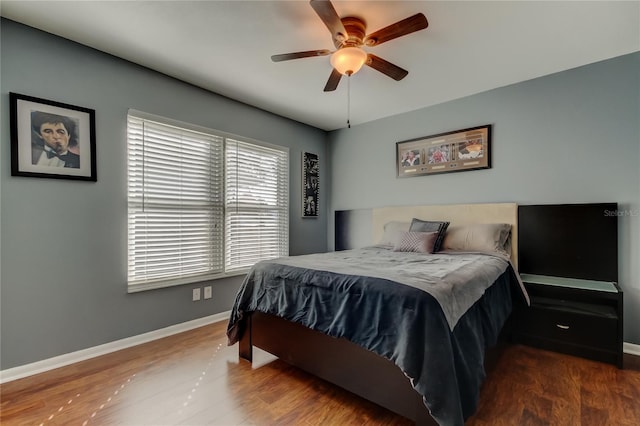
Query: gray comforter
point(432, 315)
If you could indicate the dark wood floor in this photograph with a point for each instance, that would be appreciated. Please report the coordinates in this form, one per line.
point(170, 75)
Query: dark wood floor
point(193, 378)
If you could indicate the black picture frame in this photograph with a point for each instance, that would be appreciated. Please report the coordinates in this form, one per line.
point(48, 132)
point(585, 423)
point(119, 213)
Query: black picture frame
point(69, 129)
point(310, 184)
point(456, 151)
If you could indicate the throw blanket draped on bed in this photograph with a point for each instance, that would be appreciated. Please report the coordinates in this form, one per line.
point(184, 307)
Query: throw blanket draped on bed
point(434, 325)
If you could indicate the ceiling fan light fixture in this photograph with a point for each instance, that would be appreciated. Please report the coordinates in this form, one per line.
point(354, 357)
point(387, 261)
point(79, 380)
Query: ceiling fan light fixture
point(348, 60)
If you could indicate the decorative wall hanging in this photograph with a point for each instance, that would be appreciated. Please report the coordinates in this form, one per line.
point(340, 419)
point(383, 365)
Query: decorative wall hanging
point(457, 151)
point(51, 139)
point(310, 184)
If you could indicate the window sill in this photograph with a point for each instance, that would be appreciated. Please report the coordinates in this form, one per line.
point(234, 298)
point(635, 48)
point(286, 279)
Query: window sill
point(154, 285)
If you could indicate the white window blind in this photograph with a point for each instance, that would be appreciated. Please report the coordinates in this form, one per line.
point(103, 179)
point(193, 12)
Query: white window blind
point(175, 203)
point(201, 205)
point(257, 203)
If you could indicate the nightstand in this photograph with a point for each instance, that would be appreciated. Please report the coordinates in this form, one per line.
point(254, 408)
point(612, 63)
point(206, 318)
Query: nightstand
point(574, 316)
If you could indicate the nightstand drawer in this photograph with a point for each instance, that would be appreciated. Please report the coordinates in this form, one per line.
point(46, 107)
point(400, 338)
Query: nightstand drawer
point(570, 327)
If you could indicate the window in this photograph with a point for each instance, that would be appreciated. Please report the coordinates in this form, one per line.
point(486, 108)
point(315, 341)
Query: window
point(181, 226)
point(257, 211)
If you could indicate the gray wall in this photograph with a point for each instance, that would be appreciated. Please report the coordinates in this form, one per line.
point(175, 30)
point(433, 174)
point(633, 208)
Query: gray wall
point(570, 137)
point(64, 243)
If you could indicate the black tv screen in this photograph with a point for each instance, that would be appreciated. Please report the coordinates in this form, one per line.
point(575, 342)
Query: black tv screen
point(569, 240)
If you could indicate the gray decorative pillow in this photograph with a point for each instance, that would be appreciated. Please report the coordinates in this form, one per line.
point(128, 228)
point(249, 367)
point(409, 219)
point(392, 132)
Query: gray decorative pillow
point(418, 225)
point(418, 242)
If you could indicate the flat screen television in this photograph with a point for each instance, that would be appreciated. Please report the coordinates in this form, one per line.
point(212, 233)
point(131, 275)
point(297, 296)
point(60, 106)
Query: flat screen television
point(569, 240)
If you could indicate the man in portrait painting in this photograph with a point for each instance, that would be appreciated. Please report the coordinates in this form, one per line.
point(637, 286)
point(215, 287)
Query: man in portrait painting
point(53, 138)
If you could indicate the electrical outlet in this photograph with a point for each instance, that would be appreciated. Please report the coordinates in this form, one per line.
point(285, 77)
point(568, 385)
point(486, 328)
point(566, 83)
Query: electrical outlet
point(207, 292)
point(196, 294)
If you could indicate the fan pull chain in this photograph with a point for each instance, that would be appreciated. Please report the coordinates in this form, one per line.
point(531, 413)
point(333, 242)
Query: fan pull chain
point(349, 101)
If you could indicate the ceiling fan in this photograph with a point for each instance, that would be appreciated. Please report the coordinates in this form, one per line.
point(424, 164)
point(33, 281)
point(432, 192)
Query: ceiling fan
point(349, 36)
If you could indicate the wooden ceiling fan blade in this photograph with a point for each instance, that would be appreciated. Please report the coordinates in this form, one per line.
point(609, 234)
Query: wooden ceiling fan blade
point(299, 55)
point(332, 83)
point(387, 68)
point(329, 16)
point(409, 25)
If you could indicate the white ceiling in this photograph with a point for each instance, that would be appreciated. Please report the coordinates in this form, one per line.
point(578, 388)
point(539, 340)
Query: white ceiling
point(225, 47)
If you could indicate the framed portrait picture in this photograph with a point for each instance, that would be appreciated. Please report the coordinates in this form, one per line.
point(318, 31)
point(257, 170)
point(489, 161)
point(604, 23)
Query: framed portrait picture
point(52, 140)
point(457, 151)
point(310, 184)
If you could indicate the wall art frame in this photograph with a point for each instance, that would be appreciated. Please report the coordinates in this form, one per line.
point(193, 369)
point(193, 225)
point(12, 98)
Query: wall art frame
point(310, 185)
point(52, 139)
point(455, 151)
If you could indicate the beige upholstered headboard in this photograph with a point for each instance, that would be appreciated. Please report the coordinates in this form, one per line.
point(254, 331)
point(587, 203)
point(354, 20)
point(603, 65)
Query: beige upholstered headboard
point(456, 214)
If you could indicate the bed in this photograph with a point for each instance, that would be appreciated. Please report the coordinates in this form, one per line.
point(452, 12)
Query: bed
point(405, 329)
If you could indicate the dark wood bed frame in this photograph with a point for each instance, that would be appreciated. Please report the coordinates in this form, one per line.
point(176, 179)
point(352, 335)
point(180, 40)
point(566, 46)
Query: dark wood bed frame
point(337, 361)
point(344, 363)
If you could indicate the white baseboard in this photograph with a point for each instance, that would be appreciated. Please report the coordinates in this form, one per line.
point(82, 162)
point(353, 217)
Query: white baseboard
point(631, 349)
point(84, 354)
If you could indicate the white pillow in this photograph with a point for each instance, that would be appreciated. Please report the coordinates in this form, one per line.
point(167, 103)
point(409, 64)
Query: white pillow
point(393, 232)
point(480, 237)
